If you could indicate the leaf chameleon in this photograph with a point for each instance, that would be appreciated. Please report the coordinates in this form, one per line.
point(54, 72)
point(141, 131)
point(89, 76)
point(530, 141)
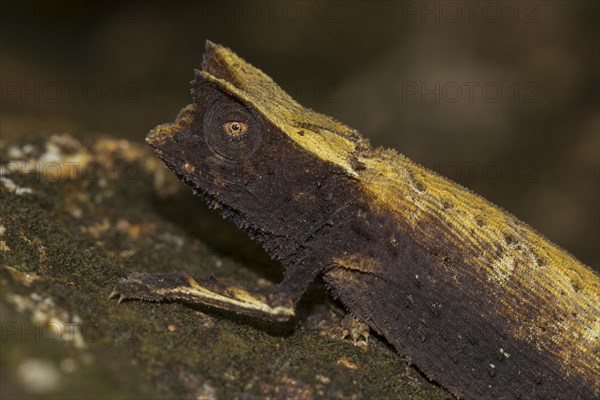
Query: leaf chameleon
point(478, 300)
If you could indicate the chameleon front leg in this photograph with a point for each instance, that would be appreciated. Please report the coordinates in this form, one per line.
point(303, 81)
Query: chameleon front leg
point(277, 303)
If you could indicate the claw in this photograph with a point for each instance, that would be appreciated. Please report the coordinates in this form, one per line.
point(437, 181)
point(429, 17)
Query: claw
point(355, 329)
point(114, 294)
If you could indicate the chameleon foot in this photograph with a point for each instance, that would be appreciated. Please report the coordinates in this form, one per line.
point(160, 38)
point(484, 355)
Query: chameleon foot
point(355, 329)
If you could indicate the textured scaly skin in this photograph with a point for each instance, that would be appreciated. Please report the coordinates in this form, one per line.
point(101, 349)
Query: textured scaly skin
point(504, 299)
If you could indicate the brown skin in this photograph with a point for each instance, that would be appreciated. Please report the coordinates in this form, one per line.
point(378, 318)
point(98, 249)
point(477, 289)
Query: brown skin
point(479, 301)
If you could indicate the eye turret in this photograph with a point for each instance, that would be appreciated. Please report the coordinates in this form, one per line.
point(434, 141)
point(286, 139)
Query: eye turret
point(231, 130)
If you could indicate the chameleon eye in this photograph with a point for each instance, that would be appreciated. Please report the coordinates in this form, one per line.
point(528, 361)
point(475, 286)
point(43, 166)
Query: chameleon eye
point(235, 129)
point(231, 130)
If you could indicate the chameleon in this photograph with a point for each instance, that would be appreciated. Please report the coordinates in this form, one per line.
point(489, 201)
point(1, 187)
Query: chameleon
point(477, 300)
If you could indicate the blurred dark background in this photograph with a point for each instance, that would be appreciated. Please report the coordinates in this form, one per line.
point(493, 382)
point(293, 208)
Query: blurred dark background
point(499, 96)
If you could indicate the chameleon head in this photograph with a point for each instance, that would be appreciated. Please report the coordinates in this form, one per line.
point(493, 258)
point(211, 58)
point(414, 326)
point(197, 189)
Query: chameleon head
point(247, 146)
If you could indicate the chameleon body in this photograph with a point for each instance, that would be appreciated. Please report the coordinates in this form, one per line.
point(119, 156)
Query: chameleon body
point(479, 301)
